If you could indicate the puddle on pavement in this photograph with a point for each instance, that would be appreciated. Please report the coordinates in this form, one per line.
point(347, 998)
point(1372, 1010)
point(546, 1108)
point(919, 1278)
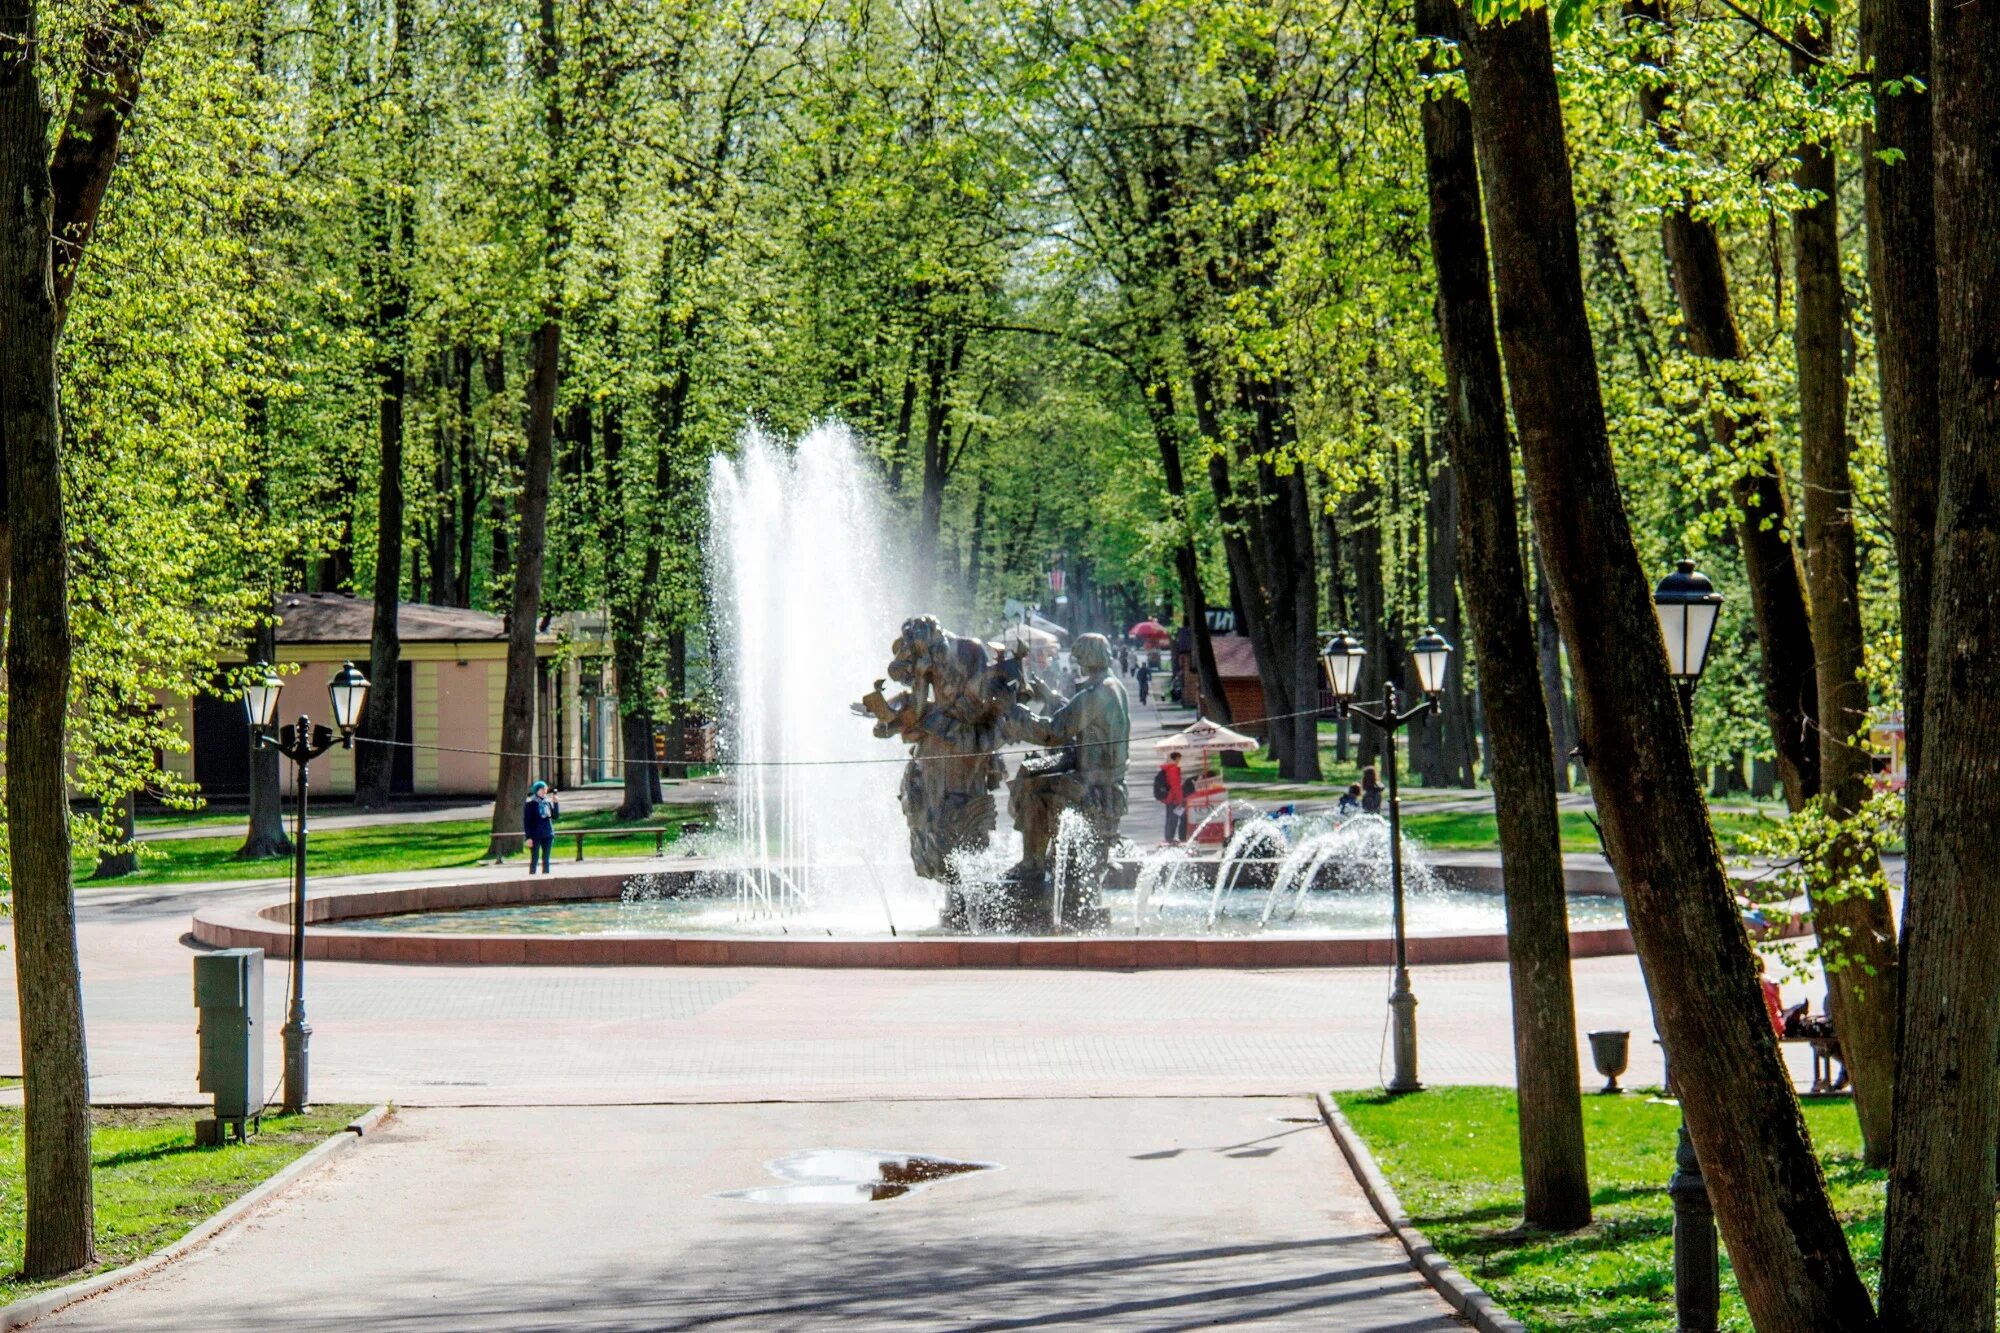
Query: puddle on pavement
point(852, 1175)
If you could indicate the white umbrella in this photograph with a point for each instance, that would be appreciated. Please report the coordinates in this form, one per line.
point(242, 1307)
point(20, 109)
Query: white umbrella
point(1206, 737)
point(1045, 624)
point(1028, 639)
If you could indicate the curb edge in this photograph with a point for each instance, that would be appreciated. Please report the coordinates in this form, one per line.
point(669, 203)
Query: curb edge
point(26, 1311)
point(1464, 1295)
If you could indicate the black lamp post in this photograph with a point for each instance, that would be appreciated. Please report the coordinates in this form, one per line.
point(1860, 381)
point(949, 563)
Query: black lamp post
point(1344, 654)
point(1687, 605)
point(302, 743)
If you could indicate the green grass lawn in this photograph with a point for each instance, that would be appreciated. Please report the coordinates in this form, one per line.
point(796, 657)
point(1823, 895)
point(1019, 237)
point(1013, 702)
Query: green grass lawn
point(360, 851)
point(153, 1185)
point(1453, 1156)
point(1461, 830)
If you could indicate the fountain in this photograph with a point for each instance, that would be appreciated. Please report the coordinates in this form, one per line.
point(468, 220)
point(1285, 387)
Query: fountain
point(829, 858)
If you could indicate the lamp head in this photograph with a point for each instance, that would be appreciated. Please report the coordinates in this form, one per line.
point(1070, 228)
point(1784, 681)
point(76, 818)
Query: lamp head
point(260, 697)
point(1344, 655)
point(348, 692)
point(1431, 652)
point(1687, 605)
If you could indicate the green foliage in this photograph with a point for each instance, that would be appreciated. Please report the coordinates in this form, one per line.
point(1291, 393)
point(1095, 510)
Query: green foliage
point(1033, 251)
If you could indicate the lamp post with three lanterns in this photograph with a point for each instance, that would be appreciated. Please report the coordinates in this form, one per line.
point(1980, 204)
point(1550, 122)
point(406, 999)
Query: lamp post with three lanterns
point(302, 742)
point(1344, 655)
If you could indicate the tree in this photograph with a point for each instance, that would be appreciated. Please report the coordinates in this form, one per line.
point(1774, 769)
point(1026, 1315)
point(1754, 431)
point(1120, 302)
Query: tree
point(530, 544)
point(1693, 249)
point(1851, 905)
point(1555, 1179)
point(1896, 171)
point(374, 761)
point(1937, 1254)
point(45, 208)
point(1770, 1199)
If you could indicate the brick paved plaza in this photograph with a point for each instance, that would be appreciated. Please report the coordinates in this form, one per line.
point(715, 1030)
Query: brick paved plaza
point(456, 1035)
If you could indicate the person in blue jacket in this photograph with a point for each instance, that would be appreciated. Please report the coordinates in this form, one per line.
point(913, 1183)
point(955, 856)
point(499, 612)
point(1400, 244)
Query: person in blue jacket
point(538, 822)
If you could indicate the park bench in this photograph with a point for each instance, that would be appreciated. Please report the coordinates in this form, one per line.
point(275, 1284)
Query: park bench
point(1816, 1030)
point(511, 843)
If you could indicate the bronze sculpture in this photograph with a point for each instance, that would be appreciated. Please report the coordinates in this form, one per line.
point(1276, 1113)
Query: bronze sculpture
point(963, 701)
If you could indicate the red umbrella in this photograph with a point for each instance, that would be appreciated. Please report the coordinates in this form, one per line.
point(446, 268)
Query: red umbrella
point(1150, 629)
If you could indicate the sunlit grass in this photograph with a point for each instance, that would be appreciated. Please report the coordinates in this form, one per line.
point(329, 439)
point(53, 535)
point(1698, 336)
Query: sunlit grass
point(152, 1184)
point(1453, 1156)
point(387, 847)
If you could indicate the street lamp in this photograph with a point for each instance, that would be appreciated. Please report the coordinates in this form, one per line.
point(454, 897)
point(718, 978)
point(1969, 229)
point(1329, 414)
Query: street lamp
point(302, 743)
point(1343, 654)
point(1688, 605)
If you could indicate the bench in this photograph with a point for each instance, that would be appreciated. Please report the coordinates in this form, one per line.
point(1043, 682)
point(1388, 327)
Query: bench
point(1816, 1031)
point(513, 842)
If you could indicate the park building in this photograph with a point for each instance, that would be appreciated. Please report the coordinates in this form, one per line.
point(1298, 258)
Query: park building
point(448, 700)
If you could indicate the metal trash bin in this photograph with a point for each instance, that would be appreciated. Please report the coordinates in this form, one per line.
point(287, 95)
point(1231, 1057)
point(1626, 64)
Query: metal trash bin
point(229, 996)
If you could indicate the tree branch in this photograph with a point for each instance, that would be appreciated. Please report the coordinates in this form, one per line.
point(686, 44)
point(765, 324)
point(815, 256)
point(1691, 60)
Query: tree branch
point(88, 149)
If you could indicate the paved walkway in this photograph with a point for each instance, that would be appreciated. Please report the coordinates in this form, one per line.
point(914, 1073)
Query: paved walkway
point(1167, 1214)
point(524, 1035)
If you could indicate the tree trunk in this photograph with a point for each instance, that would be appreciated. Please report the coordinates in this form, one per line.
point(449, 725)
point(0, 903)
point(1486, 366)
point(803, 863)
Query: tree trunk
point(943, 370)
point(1254, 614)
point(1902, 284)
point(1763, 519)
point(1937, 1254)
point(1372, 609)
point(54, 1067)
point(375, 757)
point(1554, 1175)
point(630, 603)
point(443, 544)
point(1336, 606)
point(1854, 925)
point(1786, 1244)
point(517, 708)
point(677, 746)
point(504, 459)
point(1302, 572)
point(1555, 698)
point(1451, 752)
point(111, 864)
point(466, 496)
point(1187, 565)
point(636, 726)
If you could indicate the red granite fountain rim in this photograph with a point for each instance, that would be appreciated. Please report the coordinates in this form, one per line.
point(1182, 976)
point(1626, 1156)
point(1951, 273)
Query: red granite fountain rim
point(266, 928)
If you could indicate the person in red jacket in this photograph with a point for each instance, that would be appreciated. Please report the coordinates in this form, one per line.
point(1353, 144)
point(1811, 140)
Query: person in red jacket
point(1774, 1003)
point(1176, 799)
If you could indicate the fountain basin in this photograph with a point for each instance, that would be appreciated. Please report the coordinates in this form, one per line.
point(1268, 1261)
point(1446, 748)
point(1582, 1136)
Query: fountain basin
point(349, 926)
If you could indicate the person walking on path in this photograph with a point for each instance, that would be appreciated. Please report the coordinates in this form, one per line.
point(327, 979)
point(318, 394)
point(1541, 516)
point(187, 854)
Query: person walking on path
point(1371, 791)
point(1171, 791)
point(1144, 676)
point(538, 823)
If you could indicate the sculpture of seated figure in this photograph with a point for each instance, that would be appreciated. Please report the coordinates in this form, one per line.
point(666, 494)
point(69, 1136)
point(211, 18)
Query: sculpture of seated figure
point(1090, 736)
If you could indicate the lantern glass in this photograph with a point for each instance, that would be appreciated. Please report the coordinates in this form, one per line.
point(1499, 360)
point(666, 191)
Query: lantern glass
point(1687, 605)
point(1344, 656)
point(1431, 652)
point(260, 699)
point(348, 692)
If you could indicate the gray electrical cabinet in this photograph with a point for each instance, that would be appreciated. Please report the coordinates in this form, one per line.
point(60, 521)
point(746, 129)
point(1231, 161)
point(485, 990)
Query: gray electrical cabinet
point(229, 994)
